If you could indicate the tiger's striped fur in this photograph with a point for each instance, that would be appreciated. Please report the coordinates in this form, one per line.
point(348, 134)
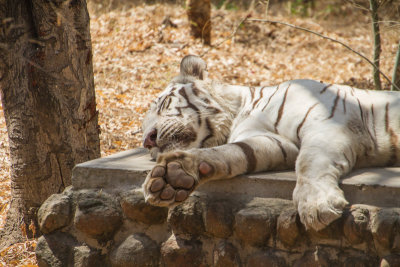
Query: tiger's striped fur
point(208, 130)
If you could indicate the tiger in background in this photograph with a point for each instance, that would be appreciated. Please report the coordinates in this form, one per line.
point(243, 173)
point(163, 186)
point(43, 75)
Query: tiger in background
point(202, 130)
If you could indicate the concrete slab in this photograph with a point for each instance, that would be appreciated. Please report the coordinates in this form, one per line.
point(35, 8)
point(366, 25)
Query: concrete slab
point(375, 186)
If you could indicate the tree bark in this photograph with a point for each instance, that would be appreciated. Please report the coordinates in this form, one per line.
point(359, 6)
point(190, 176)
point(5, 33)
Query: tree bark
point(47, 87)
point(199, 15)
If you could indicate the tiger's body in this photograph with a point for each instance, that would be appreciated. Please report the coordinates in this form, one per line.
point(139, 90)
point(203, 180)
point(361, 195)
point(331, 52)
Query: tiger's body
point(207, 130)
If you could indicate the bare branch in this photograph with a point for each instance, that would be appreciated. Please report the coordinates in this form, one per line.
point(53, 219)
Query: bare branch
point(328, 38)
point(227, 38)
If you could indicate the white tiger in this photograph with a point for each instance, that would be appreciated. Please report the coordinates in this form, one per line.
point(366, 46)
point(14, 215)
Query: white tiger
point(221, 131)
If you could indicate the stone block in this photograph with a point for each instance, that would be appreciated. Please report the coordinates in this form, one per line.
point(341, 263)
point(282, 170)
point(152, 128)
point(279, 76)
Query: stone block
point(226, 255)
point(361, 261)
point(54, 250)
point(187, 218)
point(390, 261)
point(84, 256)
point(218, 218)
point(177, 252)
point(54, 213)
point(356, 225)
point(396, 240)
point(265, 259)
point(135, 208)
point(288, 227)
point(333, 231)
point(97, 214)
point(315, 258)
point(383, 227)
point(137, 250)
point(255, 223)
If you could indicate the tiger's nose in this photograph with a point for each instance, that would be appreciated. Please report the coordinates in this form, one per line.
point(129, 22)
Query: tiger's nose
point(150, 140)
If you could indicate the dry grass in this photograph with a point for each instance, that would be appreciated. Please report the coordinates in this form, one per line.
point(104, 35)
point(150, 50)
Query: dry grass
point(135, 56)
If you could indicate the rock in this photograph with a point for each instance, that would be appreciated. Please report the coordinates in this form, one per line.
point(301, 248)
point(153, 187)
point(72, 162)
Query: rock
point(137, 250)
point(396, 240)
point(218, 219)
point(255, 223)
point(187, 218)
point(265, 259)
point(333, 231)
point(135, 208)
point(390, 261)
point(383, 227)
point(359, 262)
point(97, 215)
point(54, 250)
point(313, 259)
point(54, 213)
point(84, 256)
point(226, 255)
point(176, 252)
point(355, 228)
point(288, 227)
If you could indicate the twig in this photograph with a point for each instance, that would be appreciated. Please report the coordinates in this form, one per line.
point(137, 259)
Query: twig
point(328, 38)
point(227, 38)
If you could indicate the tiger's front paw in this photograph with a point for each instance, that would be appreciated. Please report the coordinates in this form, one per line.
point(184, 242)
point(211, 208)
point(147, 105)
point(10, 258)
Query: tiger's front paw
point(174, 177)
point(317, 207)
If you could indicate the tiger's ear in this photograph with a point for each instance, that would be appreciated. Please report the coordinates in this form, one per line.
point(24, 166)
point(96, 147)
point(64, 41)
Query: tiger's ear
point(193, 66)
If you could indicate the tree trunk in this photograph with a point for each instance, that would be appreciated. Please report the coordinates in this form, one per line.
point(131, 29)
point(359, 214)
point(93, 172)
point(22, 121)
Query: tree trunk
point(46, 81)
point(396, 71)
point(377, 43)
point(199, 15)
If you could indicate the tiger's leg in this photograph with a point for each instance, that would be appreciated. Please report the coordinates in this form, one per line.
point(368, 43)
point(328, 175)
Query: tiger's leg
point(178, 173)
point(322, 160)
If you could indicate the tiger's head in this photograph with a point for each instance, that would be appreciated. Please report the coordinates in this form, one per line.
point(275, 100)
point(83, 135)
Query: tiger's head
point(189, 113)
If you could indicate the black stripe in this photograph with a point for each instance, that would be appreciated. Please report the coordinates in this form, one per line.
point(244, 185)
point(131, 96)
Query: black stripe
point(373, 118)
point(182, 92)
point(280, 112)
point(195, 91)
point(393, 138)
point(344, 102)
point(387, 117)
point(284, 153)
point(169, 102)
point(324, 89)
point(252, 93)
point(269, 99)
point(393, 147)
point(334, 104)
point(210, 132)
point(304, 120)
point(250, 157)
point(261, 96)
point(361, 111)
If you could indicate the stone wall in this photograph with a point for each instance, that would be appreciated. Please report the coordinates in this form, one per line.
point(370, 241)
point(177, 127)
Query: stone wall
point(107, 223)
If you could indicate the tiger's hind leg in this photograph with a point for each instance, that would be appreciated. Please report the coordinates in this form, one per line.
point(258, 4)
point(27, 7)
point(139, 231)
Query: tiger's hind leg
point(319, 166)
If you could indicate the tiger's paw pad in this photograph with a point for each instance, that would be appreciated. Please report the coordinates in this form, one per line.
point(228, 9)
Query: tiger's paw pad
point(168, 185)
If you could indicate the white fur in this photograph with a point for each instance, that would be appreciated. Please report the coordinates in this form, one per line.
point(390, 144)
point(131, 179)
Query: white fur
point(323, 132)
